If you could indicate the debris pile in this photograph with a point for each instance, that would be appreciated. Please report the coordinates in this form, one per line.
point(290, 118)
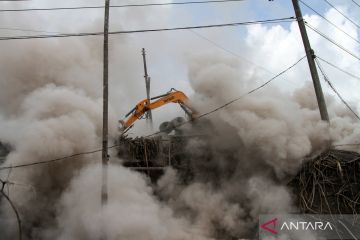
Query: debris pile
point(329, 184)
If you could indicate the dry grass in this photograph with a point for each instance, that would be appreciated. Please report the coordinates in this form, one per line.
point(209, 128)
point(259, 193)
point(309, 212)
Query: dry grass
point(329, 183)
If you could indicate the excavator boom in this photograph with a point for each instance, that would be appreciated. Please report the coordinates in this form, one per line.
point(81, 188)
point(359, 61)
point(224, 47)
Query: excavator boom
point(144, 105)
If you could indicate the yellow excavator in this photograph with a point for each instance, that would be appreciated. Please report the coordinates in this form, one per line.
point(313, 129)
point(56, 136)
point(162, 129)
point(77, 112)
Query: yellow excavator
point(173, 96)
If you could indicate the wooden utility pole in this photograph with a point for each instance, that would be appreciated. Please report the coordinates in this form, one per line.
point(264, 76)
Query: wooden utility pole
point(147, 85)
point(105, 157)
point(310, 57)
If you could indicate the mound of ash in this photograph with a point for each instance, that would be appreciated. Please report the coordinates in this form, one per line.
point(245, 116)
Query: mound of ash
point(329, 183)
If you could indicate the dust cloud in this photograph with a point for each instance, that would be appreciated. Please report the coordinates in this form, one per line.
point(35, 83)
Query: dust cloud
point(50, 107)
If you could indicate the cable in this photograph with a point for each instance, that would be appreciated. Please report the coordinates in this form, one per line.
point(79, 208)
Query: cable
point(342, 13)
point(26, 30)
point(53, 160)
point(347, 144)
point(269, 21)
point(333, 88)
point(228, 51)
point(115, 145)
point(357, 4)
point(118, 6)
point(235, 54)
point(338, 68)
point(332, 41)
point(327, 20)
point(238, 98)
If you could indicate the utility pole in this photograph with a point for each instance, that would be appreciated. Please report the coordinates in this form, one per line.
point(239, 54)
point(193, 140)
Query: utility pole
point(310, 57)
point(147, 85)
point(105, 157)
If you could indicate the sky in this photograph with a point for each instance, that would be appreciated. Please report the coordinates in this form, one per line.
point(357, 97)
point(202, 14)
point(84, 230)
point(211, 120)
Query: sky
point(266, 49)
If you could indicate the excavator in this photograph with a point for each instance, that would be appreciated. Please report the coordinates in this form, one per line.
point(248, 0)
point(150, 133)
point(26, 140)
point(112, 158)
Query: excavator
point(173, 96)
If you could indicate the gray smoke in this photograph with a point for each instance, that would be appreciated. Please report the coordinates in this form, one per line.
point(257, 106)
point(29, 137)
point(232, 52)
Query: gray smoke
point(260, 141)
point(252, 149)
point(132, 212)
point(50, 95)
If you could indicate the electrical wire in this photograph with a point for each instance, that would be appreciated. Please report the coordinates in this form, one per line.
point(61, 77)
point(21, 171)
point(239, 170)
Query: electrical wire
point(334, 89)
point(27, 30)
point(115, 145)
point(53, 160)
point(338, 68)
point(355, 24)
point(332, 41)
point(346, 144)
point(357, 4)
point(228, 51)
point(330, 22)
point(235, 54)
point(238, 98)
point(64, 35)
point(119, 6)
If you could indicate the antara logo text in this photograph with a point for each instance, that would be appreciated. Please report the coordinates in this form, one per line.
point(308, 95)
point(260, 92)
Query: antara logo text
point(315, 226)
point(271, 226)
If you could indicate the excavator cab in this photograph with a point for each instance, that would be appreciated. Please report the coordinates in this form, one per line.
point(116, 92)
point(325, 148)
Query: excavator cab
point(173, 96)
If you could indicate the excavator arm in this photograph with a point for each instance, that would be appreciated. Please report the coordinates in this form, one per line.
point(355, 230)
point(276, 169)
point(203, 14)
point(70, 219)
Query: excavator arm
point(144, 105)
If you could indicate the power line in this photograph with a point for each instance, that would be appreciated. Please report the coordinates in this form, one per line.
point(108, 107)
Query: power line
point(346, 144)
point(201, 36)
point(63, 35)
point(52, 160)
point(119, 6)
point(338, 68)
point(26, 30)
point(341, 13)
point(115, 145)
point(228, 51)
point(332, 41)
point(335, 91)
point(238, 98)
point(327, 20)
point(357, 4)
